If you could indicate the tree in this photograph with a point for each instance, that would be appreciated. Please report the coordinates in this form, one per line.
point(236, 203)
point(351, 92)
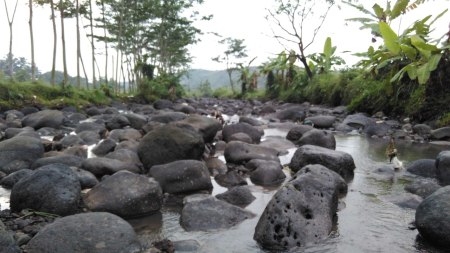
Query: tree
point(10, 23)
point(291, 17)
point(235, 51)
point(22, 70)
point(30, 22)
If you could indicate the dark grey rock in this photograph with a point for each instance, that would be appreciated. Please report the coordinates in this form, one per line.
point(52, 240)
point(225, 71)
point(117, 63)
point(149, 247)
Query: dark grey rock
point(125, 194)
point(248, 129)
point(211, 214)
point(20, 148)
point(422, 187)
point(136, 121)
point(70, 141)
point(86, 178)
point(168, 117)
point(7, 242)
point(207, 127)
point(45, 118)
point(101, 166)
point(295, 113)
point(117, 122)
point(89, 137)
point(52, 188)
point(267, 173)
point(104, 147)
point(322, 121)
point(337, 161)
point(441, 133)
point(358, 121)
point(182, 176)
point(239, 196)
point(162, 104)
point(9, 181)
point(215, 166)
point(96, 232)
point(237, 152)
point(250, 121)
point(433, 218)
point(443, 167)
point(91, 126)
point(378, 129)
point(422, 130)
point(125, 155)
point(168, 144)
point(69, 160)
point(242, 137)
point(230, 179)
point(297, 132)
point(423, 167)
point(317, 137)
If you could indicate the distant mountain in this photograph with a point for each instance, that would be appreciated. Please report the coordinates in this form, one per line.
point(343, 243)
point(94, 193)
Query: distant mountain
point(217, 78)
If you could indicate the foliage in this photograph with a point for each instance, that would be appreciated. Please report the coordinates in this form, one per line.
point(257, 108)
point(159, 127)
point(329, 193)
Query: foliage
point(223, 92)
point(205, 90)
point(163, 86)
point(444, 120)
point(322, 62)
point(21, 68)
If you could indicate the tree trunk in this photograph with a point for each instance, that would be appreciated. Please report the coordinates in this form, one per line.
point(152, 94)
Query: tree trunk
point(106, 42)
point(92, 45)
point(55, 41)
point(63, 41)
point(78, 43)
point(306, 66)
point(84, 71)
point(10, 22)
point(33, 65)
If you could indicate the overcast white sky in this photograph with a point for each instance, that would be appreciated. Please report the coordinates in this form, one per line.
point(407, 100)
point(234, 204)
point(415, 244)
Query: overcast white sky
point(242, 19)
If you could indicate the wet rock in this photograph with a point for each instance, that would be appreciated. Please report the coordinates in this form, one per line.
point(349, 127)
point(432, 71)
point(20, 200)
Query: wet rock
point(86, 178)
point(9, 181)
point(248, 129)
point(422, 187)
point(117, 122)
point(101, 166)
point(89, 137)
point(168, 144)
point(250, 121)
point(422, 130)
point(128, 134)
point(186, 246)
point(184, 108)
point(168, 117)
point(337, 161)
point(96, 232)
point(136, 121)
point(433, 218)
point(441, 133)
point(319, 138)
point(125, 194)
point(125, 155)
point(69, 141)
point(239, 196)
point(131, 145)
point(242, 137)
point(92, 111)
point(322, 121)
point(384, 172)
point(301, 212)
point(358, 121)
point(207, 127)
point(104, 147)
point(295, 113)
point(7, 242)
point(265, 109)
point(297, 132)
point(267, 173)
point(183, 176)
point(378, 129)
point(15, 166)
point(423, 167)
point(406, 200)
point(443, 167)
point(215, 166)
point(279, 143)
point(20, 148)
point(29, 110)
point(162, 104)
point(209, 213)
point(239, 152)
point(230, 179)
point(91, 126)
point(69, 160)
point(52, 188)
point(45, 118)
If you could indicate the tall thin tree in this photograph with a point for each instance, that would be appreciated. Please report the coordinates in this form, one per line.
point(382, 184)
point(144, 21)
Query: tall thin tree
point(63, 41)
point(30, 22)
point(55, 42)
point(91, 18)
point(77, 10)
point(10, 22)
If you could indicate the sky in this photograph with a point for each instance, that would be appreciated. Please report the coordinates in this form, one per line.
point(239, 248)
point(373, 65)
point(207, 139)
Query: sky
point(240, 19)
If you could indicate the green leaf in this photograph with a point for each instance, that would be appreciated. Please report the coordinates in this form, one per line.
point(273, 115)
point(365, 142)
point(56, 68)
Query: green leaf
point(433, 62)
point(399, 8)
point(412, 71)
point(438, 16)
point(410, 52)
point(423, 74)
point(398, 76)
point(379, 12)
point(390, 38)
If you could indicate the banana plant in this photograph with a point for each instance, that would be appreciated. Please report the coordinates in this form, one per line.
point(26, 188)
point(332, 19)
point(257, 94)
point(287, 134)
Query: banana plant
point(322, 62)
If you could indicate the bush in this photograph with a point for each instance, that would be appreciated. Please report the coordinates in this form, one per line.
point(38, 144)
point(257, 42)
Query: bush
point(223, 92)
point(164, 86)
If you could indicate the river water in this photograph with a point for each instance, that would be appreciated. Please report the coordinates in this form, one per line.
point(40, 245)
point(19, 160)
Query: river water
point(367, 221)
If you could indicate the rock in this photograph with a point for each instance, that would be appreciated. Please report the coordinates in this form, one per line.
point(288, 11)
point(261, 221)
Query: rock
point(406, 200)
point(168, 144)
point(69, 160)
point(101, 166)
point(125, 194)
point(230, 179)
point(239, 196)
point(9, 181)
point(168, 117)
point(295, 113)
point(45, 118)
point(443, 167)
point(250, 130)
point(297, 132)
point(20, 148)
point(207, 127)
point(117, 122)
point(441, 133)
point(86, 178)
point(358, 121)
point(379, 129)
point(26, 131)
point(423, 167)
point(422, 187)
point(301, 212)
point(96, 232)
point(422, 130)
point(136, 121)
point(7, 242)
point(92, 111)
point(210, 214)
point(267, 173)
point(322, 121)
point(125, 155)
point(104, 147)
point(278, 143)
point(265, 109)
point(242, 137)
point(239, 152)
point(52, 188)
point(320, 138)
point(215, 166)
point(182, 176)
point(186, 246)
point(384, 172)
point(89, 137)
point(433, 218)
point(250, 121)
point(184, 109)
point(15, 166)
point(162, 104)
point(131, 145)
point(91, 126)
point(69, 141)
point(337, 161)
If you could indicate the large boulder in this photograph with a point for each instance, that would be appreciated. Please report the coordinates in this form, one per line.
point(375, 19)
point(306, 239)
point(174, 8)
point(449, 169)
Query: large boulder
point(378, 129)
point(433, 218)
point(182, 176)
point(167, 117)
point(355, 122)
point(45, 118)
point(337, 161)
point(91, 126)
point(239, 196)
point(7, 242)
point(69, 160)
point(117, 122)
point(20, 148)
point(104, 147)
point(294, 113)
point(443, 167)
point(125, 194)
point(267, 173)
point(441, 133)
point(96, 232)
point(422, 187)
point(422, 130)
point(207, 127)
point(297, 132)
point(317, 137)
point(209, 213)
point(423, 167)
point(101, 166)
point(137, 121)
point(162, 104)
point(302, 211)
point(125, 134)
point(253, 132)
point(168, 144)
point(237, 152)
point(9, 181)
point(230, 179)
point(322, 121)
point(52, 188)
